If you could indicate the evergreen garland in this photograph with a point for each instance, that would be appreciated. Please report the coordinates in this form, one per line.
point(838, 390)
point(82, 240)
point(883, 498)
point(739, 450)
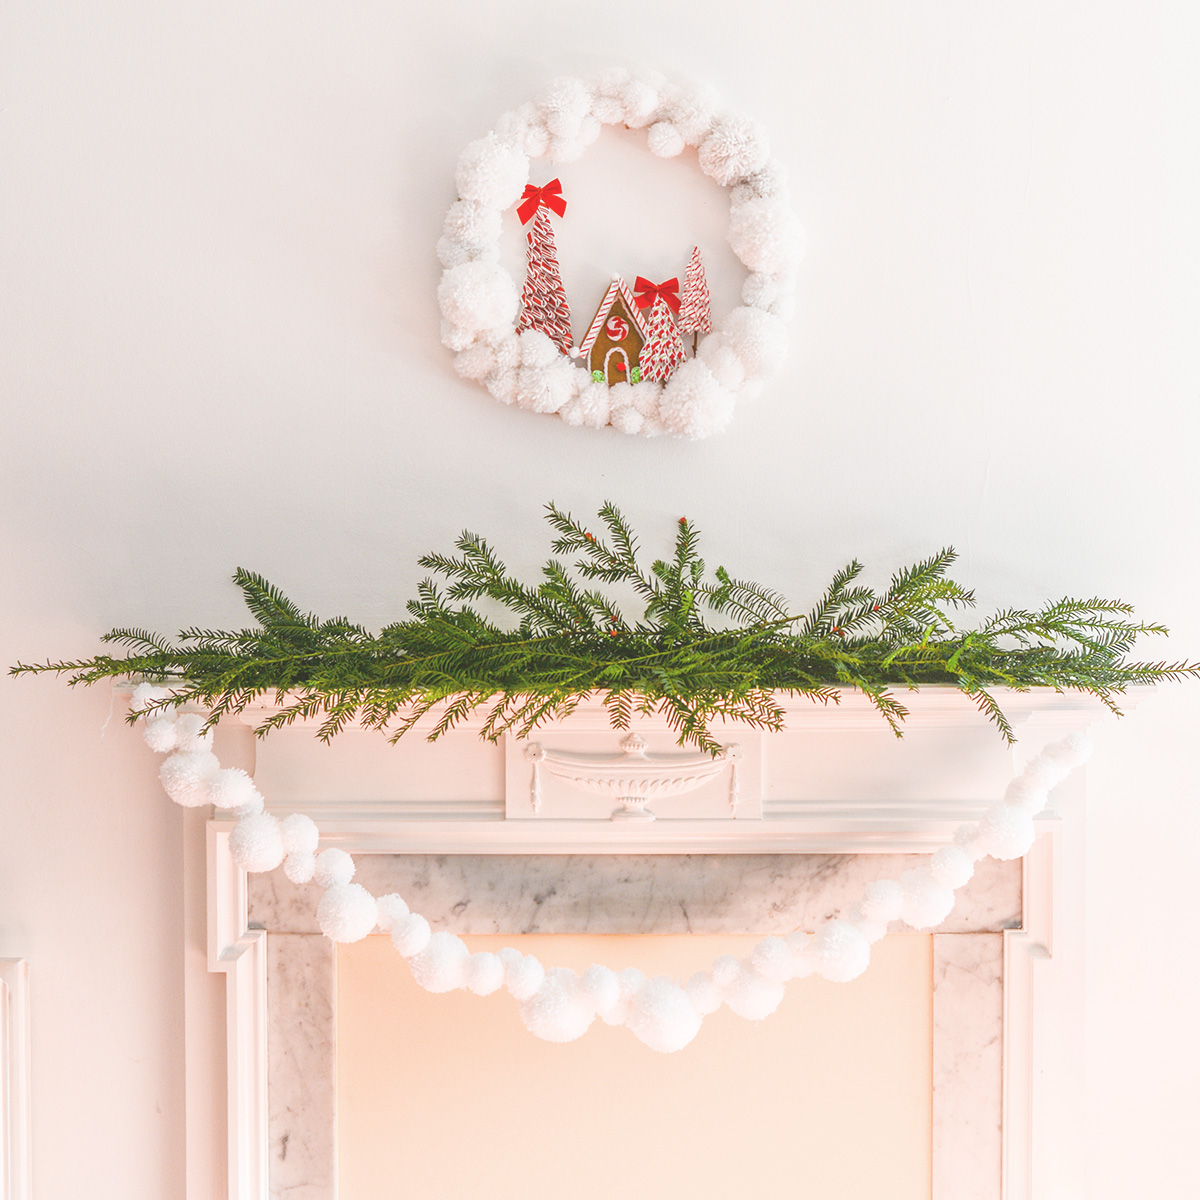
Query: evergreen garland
point(570, 640)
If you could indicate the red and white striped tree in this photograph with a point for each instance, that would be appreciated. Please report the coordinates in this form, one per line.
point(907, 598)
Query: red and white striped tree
point(696, 313)
point(543, 298)
point(663, 350)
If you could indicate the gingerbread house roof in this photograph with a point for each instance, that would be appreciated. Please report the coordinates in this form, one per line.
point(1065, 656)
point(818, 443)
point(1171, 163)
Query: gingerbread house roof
point(618, 287)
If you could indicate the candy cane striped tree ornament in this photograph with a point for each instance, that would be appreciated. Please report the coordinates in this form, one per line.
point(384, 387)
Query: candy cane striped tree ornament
point(663, 350)
point(544, 304)
point(696, 315)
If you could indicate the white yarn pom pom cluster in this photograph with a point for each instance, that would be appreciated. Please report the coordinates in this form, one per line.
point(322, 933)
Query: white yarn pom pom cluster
point(479, 299)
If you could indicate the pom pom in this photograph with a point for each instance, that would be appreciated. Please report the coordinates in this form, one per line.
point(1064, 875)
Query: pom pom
point(442, 965)
point(628, 983)
point(522, 976)
point(801, 946)
point(300, 866)
point(703, 993)
point(559, 1011)
point(767, 183)
point(146, 695)
point(753, 997)
point(472, 224)
point(537, 350)
point(478, 295)
point(410, 935)
point(664, 140)
point(1030, 798)
point(882, 901)
point(926, 902)
point(507, 347)
point(455, 337)
point(334, 867)
point(662, 1017)
point(722, 360)
point(256, 844)
point(951, 866)
point(300, 834)
point(608, 110)
point(758, 339)
point(627, 420)
point(966, 839)
point(736, 147)
point(502, 385)
point(766, 235)
point(347, 912)
point(160, 734)
point(639, 100)
point(840, 952)
point(232, 788)
point(1072, 751)
point(547, 389)
point(762, 290)
point(476, 363)
point(187, 776)
point(389, 910)
point(1005, 832)
point(602, 988)
point(725, 970)
point(484, 974)
point(589, 407)
point(565, 97)
point(190, 733)
point(693, 114)
point(491, 173)
point(772, 959)
point(694, 404)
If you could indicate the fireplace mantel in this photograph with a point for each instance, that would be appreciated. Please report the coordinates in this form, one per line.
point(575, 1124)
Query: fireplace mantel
point(835, 782)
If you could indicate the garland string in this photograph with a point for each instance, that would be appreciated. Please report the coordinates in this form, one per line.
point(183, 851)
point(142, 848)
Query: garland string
point(558, 1004)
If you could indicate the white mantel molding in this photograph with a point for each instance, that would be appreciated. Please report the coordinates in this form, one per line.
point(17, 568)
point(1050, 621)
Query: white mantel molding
point(15, 1081)
point(884, 812)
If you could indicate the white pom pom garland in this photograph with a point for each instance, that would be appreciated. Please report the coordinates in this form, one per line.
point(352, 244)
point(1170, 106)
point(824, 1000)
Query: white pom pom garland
point(479, 300)
point(559, 1005)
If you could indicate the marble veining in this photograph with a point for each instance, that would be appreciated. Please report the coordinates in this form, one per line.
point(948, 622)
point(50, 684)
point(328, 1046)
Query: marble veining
point(650, 893)
point(968, 1065)
point(301, 1059)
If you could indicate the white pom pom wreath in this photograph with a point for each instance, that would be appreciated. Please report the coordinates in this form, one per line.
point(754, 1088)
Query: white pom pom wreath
point(334, 866)
point(187, 777)
point(232, 788)
point(479, 299)
point(662, 1017)
point(410, 935)
point(347, 912)
point(840, 951)
point(256, 844)
point(559, 1011)
point(484, 973)
point(442, 965)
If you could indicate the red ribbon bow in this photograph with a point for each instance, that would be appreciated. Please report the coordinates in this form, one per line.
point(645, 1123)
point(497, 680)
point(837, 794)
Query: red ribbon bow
point(534, 198)
point(646, 293)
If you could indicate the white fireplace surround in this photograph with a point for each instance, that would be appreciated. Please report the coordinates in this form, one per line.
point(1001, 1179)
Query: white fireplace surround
point(820, 808)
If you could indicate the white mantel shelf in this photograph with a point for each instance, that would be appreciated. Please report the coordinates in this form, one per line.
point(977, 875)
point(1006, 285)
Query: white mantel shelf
point(835, 780)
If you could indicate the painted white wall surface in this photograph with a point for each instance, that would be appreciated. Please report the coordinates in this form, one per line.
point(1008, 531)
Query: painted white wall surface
point(219, 347)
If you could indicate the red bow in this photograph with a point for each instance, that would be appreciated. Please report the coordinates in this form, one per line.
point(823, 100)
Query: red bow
point(646, 293)
point(534, 198)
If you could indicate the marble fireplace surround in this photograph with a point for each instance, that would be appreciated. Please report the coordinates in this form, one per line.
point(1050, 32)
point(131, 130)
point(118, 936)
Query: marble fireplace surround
point(1007, 963)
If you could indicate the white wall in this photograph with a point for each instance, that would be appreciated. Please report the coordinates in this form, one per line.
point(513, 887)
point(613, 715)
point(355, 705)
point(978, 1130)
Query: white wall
point(219, 347)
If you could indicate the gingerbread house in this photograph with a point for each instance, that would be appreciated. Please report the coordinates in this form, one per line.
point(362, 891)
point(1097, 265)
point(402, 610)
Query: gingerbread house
point(615, 338)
